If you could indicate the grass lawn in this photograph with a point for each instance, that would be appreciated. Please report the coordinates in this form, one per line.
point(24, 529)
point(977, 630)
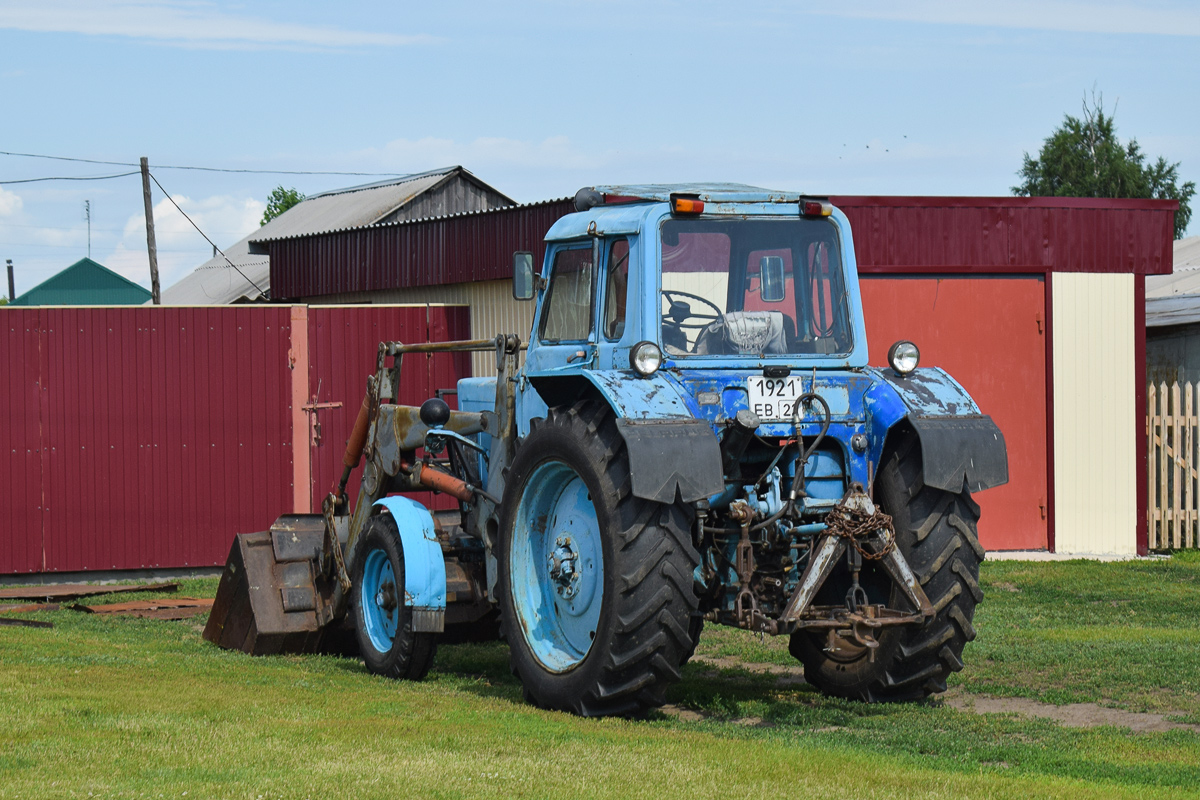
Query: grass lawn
point(123, 707)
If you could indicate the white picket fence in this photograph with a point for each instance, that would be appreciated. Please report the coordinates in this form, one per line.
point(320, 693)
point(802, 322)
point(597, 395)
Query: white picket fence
point(1173, 439)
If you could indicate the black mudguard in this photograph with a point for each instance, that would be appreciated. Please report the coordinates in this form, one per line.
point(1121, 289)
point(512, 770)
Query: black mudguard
point(961, 449)
point(672, 457)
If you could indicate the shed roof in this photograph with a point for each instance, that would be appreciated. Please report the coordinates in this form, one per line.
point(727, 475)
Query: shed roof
point(1184, 279)
point(85, 283)
point(1174, 299)
point(244, 272)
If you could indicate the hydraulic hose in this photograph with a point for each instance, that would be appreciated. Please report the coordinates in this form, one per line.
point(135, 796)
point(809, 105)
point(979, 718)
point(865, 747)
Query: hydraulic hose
point(798, 479)
point(805, 453)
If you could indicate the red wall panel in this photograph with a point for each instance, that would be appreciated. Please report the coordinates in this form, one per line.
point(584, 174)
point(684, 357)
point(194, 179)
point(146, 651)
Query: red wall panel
point(989, 335)
point(1002, 234)
point(20, 445)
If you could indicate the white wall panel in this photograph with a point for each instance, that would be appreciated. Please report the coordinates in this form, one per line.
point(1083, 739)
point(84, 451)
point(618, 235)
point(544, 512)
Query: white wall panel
point(1095, 470)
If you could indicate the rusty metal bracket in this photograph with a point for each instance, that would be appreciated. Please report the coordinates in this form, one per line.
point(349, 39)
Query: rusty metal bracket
point(825, 555)
point(333, 546)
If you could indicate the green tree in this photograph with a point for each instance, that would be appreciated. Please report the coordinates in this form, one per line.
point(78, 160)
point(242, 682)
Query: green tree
point(1084, 158)
point(281, 200)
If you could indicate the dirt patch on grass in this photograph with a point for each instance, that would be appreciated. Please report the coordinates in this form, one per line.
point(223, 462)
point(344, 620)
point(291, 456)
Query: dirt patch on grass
point(1071, 715)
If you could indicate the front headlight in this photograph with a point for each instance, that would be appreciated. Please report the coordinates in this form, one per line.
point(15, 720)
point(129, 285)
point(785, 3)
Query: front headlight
point(904, 357)
point(645, 358)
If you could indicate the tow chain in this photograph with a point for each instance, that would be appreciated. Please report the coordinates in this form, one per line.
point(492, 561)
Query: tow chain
point(854, 524)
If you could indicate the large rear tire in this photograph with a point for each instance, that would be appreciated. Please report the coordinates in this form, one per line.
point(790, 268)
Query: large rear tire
point(936, 533)
point(383, 624)
point(595, 584)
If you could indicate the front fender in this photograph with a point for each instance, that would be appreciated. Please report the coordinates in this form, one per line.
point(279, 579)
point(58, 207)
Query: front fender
point(959, 444)
point(424, 566)
point(672, 454)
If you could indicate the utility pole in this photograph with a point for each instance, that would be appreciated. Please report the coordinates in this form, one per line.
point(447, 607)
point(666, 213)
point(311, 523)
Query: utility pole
point(12, 292)
point(151, 248)
point(87, 212)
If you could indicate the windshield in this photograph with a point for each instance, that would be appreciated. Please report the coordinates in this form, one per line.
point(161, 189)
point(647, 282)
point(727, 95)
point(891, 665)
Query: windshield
point(753, 287)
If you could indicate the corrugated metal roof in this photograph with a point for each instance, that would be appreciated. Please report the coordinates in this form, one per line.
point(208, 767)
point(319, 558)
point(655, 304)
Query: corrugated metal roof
point(267, 240)
point(215, 282)
point(356, 207)
point(1184, 279)
point(85, 283)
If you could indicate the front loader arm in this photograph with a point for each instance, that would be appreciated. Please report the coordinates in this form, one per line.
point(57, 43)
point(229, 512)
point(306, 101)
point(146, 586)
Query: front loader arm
point(388, 435)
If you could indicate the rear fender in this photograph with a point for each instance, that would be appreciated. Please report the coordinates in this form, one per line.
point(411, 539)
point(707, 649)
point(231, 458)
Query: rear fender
point(959, 444)
point(424, 566)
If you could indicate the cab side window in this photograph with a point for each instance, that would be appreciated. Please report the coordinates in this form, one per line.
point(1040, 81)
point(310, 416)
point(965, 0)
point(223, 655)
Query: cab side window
point(567, 310)
point(617, 277)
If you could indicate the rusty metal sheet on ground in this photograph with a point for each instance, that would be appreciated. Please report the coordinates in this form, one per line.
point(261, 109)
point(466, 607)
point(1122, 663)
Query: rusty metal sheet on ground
point(8, 609)
point(174, 608)
point(69, 591)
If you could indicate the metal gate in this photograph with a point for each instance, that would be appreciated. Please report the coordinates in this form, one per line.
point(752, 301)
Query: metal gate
point(989, 334)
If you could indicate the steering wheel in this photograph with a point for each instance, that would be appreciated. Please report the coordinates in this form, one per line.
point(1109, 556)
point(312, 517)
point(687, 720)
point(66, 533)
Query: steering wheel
point(677, 312)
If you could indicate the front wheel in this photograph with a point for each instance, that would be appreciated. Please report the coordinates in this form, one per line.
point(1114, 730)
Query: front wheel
point(383, 624)
point(595, 584)
point(936, 533)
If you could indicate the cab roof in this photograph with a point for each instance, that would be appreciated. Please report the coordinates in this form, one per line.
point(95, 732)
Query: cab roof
point(709, 192)
point(623, 208)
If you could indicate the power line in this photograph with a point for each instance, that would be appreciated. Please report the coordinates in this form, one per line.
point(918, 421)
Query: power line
point(201, 169)
point(71, 178)
point(210, 241)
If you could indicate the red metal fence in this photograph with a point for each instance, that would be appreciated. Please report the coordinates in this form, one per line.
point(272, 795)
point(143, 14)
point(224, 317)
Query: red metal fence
point(146, 437)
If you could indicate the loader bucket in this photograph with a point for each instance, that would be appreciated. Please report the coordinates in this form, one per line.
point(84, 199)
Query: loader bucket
point(272, 598)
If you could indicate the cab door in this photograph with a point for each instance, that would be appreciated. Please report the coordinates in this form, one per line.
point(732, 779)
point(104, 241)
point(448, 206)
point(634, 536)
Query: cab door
point(564, 329)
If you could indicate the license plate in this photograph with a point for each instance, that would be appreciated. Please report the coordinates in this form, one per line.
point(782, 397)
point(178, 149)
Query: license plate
point(774, 399)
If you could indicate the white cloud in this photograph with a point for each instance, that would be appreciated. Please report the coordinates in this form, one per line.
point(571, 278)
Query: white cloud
point(1055, 15)
point(10, 203)
point(184, 23)
point(180, 248)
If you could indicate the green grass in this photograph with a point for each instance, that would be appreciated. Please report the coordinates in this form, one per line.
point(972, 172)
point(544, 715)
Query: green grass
point(123, 707)
point(1124, 634)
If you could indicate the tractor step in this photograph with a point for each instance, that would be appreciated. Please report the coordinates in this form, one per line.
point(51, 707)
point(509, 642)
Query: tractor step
point(272, 597)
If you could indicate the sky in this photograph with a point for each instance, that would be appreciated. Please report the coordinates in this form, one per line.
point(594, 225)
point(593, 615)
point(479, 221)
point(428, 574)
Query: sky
point(925, 97)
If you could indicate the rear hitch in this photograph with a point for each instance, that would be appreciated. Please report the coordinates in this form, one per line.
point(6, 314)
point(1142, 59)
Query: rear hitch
point(859, 530)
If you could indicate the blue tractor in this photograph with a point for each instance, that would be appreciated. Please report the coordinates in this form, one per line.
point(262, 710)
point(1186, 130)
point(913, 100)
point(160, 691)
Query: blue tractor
point(694, 436)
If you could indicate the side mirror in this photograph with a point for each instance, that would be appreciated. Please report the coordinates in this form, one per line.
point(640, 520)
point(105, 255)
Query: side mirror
point(771, 278)
point(523, 276)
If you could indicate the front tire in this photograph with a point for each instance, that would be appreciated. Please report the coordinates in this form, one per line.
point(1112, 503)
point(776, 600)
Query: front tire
point(383, 624)
point(936, 533)
point(595, 584)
